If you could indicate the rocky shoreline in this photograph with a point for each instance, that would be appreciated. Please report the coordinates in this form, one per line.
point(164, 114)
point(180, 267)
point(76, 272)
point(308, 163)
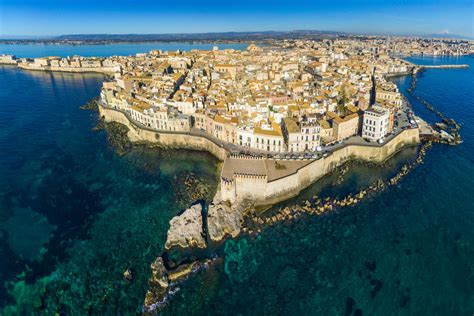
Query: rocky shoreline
point(117, 134)
point(92, 104)
point(321, 206)
point(192, 245)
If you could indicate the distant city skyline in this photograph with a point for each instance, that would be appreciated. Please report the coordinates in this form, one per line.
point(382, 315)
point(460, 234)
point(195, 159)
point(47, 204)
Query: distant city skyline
point(54, 17)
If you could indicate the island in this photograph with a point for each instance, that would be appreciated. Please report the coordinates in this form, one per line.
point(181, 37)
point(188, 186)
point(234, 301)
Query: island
point(278, 116)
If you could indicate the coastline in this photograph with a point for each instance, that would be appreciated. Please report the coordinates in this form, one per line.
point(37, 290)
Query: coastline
point(270, 191)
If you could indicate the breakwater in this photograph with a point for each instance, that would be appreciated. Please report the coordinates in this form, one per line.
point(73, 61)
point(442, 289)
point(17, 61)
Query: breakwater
point(448, 129)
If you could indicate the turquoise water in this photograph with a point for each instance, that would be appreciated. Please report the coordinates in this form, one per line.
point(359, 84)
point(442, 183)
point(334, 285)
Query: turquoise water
point(74, 216)
point(62, 50)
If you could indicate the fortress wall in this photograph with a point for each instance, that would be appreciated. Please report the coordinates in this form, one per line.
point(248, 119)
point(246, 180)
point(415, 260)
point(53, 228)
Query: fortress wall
point(169, 140)
point(285, 188)
point(251, 189)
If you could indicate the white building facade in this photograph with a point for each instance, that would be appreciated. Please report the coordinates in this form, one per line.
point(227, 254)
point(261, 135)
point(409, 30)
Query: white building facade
point(375, 125)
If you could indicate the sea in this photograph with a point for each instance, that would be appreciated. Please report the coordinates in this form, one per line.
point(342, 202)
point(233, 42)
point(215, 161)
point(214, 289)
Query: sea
point(75, 215)
point(105, 50)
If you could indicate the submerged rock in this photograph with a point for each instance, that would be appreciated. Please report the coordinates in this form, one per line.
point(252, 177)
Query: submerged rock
point(186, 230)
point(223, 221)
point(128, 275)
point(92, 104)
point(117, 135)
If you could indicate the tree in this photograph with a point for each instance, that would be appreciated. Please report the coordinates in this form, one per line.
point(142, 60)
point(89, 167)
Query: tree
point(341, 102)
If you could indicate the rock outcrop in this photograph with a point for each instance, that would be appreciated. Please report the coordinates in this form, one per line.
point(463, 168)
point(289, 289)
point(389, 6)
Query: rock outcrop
point(223, 221)
point(157, 285)
point(187, 249)
point(186, 230)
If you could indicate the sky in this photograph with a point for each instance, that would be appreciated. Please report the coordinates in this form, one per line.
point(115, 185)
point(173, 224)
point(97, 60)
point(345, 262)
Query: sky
point(401, 17)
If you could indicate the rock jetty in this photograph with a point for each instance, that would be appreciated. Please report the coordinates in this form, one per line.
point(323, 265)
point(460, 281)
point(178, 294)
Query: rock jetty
point(448, 129)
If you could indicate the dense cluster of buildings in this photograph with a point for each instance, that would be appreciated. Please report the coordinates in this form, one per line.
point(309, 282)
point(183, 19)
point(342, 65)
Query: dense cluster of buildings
point(411, 45)
point(270, 99)
point(291, 96)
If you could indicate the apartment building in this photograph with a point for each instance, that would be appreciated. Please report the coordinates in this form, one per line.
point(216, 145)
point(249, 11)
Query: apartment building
point(375, 124)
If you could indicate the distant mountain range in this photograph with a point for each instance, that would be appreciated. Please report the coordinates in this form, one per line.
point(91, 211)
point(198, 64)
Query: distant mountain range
point(210, 36)
point(198, 36)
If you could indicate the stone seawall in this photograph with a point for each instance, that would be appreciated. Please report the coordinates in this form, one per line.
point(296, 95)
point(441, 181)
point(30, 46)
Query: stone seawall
point(261, 192)
point(139, 134)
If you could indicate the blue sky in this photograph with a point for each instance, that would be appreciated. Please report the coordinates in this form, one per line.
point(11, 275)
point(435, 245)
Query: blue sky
point(55, 17)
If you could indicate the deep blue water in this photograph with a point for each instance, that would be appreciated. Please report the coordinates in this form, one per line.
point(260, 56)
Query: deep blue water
point(42, 50)
point(74, 216)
